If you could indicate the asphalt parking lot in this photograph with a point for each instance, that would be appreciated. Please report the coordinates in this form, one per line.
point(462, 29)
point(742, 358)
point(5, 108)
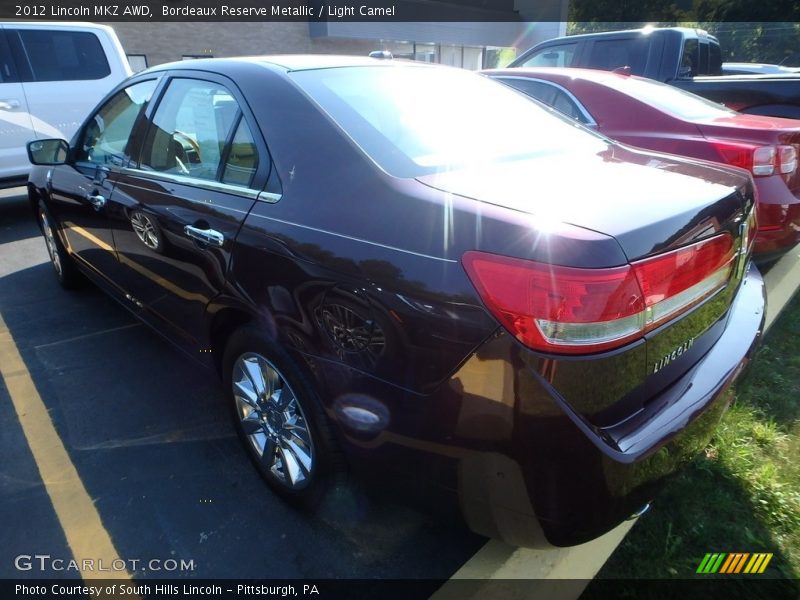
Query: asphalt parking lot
point(151, 441)
point(161, 475)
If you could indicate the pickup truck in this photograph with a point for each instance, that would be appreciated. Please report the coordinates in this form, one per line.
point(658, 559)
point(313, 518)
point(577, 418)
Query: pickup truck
point(684, 57)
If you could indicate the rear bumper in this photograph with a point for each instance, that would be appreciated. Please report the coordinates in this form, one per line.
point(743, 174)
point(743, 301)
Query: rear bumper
point(564, 481)
point(778, 212)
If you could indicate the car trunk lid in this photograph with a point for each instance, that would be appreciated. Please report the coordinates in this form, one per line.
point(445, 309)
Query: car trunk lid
point(654, 206)
point(650, 203)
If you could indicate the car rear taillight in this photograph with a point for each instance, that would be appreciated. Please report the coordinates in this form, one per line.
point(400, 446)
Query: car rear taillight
point(787, 159)
point(571, 310)
point(759, 160)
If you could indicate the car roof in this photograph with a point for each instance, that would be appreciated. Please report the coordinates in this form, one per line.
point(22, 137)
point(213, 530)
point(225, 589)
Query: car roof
point(593, 75)
point(685, 31)
point(50, 25)
point(290, 62)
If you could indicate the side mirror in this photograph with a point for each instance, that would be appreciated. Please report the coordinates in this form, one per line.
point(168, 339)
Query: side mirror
point(48, 152)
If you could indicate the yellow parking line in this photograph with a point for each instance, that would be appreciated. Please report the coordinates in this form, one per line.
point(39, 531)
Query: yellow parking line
point(89, 236)
point(83, 528)
point(157, 279)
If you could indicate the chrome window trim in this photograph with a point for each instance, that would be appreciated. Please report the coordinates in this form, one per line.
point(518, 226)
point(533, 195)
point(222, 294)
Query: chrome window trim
point(590, 122)
point(204, 184)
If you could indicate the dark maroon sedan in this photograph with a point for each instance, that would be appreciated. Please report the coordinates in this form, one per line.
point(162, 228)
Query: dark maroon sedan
point(417, 264)
point(652, 115)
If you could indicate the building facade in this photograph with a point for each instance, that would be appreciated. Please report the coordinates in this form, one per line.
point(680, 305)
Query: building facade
point(514, 25)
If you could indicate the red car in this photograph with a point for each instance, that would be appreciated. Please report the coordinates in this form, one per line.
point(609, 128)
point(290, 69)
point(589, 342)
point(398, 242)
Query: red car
point(645, 113)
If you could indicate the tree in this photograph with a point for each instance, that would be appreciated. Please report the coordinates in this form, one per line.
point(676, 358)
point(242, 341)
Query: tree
point(626, 11)
point(746, 11)
point(748, 31)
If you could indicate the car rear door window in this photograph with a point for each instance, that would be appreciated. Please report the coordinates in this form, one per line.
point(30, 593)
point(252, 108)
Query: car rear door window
point(8, 71)
point(690, 60)
point(190, 129)
point(714, 59)
point(242, 159)
point(105, 139)
point(56, 55)
point(548, 94)
point(552, 56)
point(613, 54)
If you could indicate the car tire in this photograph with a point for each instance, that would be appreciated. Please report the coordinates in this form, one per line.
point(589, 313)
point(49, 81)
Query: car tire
point(66, 271)
point(279, 419)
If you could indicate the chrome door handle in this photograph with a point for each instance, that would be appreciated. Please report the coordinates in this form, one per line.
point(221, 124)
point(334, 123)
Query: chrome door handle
point(96, 200)
point(9, 104)
point(207, 236)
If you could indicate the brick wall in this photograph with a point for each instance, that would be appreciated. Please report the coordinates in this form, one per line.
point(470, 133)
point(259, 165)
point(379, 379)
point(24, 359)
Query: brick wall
point(165, 42)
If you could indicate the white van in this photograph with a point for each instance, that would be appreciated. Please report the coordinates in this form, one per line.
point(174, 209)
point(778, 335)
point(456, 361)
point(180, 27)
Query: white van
point(51, 76)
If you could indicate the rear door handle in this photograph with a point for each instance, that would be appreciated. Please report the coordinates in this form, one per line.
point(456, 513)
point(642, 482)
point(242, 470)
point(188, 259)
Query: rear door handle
point(206, 236)
point(9, 104)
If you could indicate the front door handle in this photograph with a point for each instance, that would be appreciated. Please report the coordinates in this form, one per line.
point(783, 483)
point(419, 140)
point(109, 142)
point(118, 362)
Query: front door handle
point(9, 104)
point(206, 236)
point(96, 200)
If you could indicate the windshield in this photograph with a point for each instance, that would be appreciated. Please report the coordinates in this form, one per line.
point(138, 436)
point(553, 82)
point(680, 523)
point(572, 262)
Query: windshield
point(669, 99)
point(414, 121)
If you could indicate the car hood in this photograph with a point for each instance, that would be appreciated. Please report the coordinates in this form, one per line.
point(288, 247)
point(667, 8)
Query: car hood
point(648, 202)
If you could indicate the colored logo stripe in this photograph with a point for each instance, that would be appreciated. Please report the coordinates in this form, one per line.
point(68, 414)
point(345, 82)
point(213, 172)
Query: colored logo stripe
point(725, 563)
point(711, 563)
point(734, 563)
point(758, 563)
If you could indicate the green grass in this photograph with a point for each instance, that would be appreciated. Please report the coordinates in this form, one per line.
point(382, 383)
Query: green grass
point(742, 494)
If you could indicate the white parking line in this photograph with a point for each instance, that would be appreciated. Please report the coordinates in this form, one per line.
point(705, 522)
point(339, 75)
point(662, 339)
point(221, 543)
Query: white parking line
point(782, 282)
point(88, 335)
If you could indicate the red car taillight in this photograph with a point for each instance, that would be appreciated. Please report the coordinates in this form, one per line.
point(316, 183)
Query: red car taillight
point(759, 160)
point(578, 311)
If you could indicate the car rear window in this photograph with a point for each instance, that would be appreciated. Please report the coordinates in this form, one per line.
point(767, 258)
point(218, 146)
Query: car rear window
point(669, 99)
point(56, 55)
point(414, 121)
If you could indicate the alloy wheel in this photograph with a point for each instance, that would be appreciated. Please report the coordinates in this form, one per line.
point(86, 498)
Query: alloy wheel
point(273, 421)
point(50, 241)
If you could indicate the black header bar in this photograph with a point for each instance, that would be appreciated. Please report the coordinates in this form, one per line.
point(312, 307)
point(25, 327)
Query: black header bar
point(400, 10)
point(254, 10)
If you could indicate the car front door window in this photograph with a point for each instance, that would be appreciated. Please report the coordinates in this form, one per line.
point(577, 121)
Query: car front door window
point(552, 56)
point(105, 138)
point(190, 129)
point(175, 244)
